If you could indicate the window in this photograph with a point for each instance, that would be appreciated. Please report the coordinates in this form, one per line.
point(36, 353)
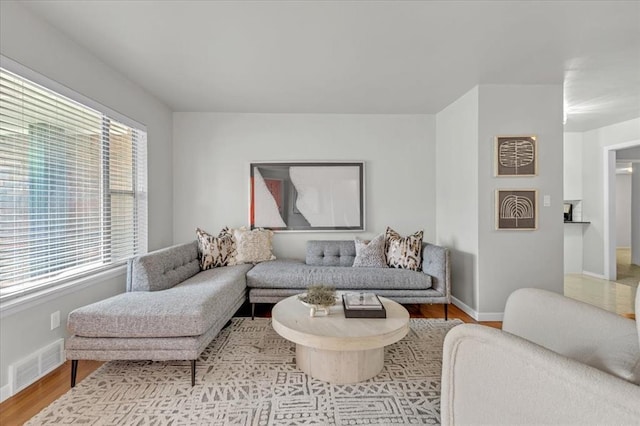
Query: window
point(72, 188)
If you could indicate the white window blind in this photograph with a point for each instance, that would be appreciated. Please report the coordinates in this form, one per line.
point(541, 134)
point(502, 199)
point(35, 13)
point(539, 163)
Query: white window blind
point(73, 196)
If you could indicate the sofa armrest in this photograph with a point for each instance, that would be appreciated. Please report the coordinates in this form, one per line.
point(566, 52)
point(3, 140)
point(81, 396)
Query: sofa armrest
point(493, 377)
point(566, 326)
point(436, 262)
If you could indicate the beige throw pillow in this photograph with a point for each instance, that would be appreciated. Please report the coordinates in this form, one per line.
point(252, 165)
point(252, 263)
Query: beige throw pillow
point(216, 251)
point(370, 253)
point(404, 252)
point(254, 245)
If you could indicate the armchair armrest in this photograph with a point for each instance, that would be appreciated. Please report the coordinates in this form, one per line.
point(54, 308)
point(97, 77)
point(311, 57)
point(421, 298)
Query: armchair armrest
point(436, 262)
point(566, 326)
point(493, 377)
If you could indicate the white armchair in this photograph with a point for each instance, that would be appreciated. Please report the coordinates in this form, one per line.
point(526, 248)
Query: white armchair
point(556, 361)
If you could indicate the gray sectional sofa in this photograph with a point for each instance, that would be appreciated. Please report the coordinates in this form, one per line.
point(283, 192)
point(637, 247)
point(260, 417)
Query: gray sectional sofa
point(330, 263)
point(172, 309)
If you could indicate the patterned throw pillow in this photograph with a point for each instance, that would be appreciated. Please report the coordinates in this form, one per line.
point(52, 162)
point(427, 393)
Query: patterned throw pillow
point(216, 251)
point(370, 253)
point(404, 253)
point(253, 245)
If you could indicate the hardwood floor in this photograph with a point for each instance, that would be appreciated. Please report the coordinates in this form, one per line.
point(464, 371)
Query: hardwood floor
point(29, 402)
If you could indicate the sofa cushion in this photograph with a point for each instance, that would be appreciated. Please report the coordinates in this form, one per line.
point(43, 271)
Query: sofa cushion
point(163, 269)
point(296, 274)
point(404, 252)
point(331, 253)
point(216, 251)
point(253, 245)
point(188, 309)
point(370, 253)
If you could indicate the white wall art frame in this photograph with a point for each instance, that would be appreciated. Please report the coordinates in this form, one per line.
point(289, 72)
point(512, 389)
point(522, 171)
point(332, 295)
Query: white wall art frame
point(307, 196)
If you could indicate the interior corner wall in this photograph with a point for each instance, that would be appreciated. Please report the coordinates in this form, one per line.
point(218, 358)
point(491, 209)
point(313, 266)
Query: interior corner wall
point(32, 42)
point(623, 210)
point(593, 187)
point(212, 152)
point(635, 214)
point(457, 193)
point(509, 259)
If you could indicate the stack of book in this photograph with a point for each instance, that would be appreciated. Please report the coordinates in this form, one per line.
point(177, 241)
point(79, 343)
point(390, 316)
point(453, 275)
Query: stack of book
point(363, 305)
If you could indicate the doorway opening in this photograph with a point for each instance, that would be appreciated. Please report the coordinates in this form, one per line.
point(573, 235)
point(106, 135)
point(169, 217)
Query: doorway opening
point(625, 159)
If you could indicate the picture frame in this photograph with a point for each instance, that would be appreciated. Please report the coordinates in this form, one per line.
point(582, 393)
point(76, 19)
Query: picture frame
point(516, 209)
point(307, 196)
point(516, 156)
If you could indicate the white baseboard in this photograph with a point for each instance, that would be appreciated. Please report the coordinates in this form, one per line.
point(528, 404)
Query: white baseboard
point(490, 316)
point(5, 392)
point(465, 308)
point(594, 275)
point(478, 316)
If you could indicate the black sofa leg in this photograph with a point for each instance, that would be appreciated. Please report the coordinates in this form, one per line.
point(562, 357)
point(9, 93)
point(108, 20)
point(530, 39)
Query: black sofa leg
point(74, 372)
point(446, 311)
point(253, 311)
point(193, 372)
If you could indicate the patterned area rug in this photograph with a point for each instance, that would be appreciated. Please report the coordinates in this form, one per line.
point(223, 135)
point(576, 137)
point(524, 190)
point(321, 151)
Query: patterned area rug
point(248, 376)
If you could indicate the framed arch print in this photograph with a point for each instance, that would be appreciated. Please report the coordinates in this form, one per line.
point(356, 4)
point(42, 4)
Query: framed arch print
point(517, 209)
point(516, 156)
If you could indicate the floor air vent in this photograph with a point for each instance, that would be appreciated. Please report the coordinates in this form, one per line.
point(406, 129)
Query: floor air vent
point(29, 369)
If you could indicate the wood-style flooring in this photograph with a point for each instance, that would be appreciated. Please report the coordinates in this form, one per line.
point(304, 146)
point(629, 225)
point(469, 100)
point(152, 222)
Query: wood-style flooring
point(29, 402)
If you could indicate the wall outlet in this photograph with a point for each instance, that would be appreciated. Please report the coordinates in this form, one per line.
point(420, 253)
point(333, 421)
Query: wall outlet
point(55, 320)
point(547, 200)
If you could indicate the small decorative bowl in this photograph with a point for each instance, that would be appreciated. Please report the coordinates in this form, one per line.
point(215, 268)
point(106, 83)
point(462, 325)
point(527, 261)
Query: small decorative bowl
point(316, 310)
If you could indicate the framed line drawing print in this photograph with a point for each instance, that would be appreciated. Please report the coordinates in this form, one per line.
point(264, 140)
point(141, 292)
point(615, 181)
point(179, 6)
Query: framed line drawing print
point(307, 196)
point(516, 156)
point(517, 209)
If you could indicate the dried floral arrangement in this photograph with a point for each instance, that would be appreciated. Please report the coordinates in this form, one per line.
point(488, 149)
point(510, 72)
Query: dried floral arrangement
point(320, 295)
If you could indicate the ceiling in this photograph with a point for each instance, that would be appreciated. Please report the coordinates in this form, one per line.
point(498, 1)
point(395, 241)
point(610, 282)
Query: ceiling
point(390, 57)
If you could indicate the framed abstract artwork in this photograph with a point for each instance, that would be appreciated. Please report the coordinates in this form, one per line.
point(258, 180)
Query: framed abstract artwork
point(307, 196)
point(516, 209)
point(516, 156)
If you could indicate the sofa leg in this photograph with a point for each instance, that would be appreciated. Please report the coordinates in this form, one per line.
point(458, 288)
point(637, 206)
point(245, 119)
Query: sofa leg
point(74, 372)
point(253, 311)
point(446, 311)
point(193, 372)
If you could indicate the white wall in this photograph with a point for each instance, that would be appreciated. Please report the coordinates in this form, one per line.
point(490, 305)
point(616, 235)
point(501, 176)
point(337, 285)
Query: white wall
point(488, 265)
point(572, 166)
point(623, 210)
point(35, 44)
point(457, 193)
point(212, 153)
point(593, 187)
point(515, 259)
point(572, 158)
point(635, 214)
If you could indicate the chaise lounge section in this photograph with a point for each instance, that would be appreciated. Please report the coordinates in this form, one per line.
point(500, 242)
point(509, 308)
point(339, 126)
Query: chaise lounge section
point(171, 311)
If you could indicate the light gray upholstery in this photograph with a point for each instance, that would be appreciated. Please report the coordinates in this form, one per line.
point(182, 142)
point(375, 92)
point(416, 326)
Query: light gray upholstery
point(163, 269)
point(295, 274)
point(156, 349)
point(331, 253)
point(188, 309)
point(329, 263)
point(171, 311)
point(533, 371)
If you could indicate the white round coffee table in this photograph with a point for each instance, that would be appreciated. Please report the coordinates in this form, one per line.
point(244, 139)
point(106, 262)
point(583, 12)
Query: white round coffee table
point(337, 349)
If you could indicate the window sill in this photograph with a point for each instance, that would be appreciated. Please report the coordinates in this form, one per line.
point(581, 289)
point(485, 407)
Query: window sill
point(12, 306)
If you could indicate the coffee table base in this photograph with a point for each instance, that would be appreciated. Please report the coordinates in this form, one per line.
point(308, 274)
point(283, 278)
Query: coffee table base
point(340, 367)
